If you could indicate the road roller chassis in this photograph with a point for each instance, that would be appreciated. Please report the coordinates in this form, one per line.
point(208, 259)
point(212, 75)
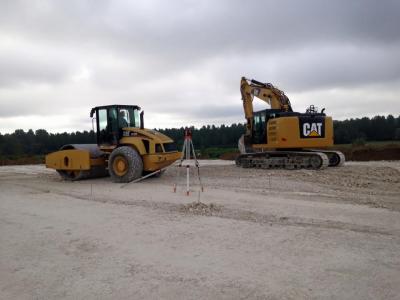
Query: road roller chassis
point(125, 150)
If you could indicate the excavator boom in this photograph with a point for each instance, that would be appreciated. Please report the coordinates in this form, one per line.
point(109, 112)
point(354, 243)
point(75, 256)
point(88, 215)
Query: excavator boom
point(250, 88)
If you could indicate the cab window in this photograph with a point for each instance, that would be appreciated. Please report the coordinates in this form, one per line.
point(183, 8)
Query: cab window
point(128, 117)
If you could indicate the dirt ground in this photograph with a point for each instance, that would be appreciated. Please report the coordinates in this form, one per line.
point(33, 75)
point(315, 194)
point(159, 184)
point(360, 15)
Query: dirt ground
point(252, 234)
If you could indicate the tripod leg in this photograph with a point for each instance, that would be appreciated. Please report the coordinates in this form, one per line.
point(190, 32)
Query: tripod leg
point(194, 153)
point(197, 166)
point(187, 180)
point(184, 153)
point(198, 175)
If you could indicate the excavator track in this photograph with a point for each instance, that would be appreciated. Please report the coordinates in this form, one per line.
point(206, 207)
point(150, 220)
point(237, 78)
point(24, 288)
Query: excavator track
point(284, 160)
point(336, 158)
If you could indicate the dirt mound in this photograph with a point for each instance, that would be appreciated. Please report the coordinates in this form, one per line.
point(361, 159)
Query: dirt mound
point(229, 155)
point(24, 160)
point(366, 153)
point(200, 208)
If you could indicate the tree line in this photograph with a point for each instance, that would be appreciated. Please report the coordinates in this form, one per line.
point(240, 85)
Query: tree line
point(39, 142)
point(378, 128)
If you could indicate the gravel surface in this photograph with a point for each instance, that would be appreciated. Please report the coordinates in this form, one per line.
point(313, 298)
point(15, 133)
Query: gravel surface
point(252, 234)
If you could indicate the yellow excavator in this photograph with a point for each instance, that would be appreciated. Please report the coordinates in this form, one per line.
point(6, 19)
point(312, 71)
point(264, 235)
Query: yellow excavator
point(125, 150)
point(281, 138)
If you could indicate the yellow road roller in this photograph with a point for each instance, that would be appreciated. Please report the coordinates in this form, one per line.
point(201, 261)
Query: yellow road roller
point(125, 150)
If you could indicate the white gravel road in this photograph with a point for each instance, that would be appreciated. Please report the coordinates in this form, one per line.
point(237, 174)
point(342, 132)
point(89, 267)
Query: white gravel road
point(261, 234)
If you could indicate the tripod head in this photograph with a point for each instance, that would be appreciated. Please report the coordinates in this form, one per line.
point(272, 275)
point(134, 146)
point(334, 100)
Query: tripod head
point(188, 134)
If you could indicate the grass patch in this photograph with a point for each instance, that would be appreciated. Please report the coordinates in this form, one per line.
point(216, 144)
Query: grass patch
point(216, 153)
point(21, 160)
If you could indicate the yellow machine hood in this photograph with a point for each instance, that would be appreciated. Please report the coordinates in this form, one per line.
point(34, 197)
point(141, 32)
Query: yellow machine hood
point(158, 137)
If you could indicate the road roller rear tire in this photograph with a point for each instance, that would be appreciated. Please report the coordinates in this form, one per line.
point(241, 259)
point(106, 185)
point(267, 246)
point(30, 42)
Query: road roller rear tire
point(125, 164)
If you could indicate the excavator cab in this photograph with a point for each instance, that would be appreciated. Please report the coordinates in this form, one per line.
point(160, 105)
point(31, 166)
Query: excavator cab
point(260, 124)
point(111, 119)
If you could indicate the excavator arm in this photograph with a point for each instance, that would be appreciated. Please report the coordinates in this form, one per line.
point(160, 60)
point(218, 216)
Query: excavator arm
point(250, 88)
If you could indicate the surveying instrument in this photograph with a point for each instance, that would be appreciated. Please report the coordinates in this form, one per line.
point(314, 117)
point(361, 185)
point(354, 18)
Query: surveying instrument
point(189, 156)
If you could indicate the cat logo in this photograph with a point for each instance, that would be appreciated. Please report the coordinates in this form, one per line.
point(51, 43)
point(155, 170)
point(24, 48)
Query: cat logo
point(312, 129)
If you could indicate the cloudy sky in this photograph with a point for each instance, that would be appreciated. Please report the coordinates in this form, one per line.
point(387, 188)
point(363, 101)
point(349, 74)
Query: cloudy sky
point(182, 61)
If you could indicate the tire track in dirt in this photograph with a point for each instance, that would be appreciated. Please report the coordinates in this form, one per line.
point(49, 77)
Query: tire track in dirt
point(213, 210)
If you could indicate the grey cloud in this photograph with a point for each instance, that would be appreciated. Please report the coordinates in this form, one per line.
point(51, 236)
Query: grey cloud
point(19, 70)
point(186, 56)
point(179, 34)
point(219, 112)
point(340, 66)
point(10, 109)
point(206, 26)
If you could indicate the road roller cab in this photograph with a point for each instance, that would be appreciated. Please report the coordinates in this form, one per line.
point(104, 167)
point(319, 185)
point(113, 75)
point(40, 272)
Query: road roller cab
point(112, 119)
point(124, 150)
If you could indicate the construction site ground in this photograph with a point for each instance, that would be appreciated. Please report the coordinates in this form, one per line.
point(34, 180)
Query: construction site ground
point(252, 234)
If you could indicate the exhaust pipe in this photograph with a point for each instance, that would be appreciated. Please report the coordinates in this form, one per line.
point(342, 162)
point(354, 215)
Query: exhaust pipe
point(141, 120)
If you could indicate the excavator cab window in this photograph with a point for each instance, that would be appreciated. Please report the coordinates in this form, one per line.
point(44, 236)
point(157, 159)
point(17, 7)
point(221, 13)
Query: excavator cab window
point(259, 128)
